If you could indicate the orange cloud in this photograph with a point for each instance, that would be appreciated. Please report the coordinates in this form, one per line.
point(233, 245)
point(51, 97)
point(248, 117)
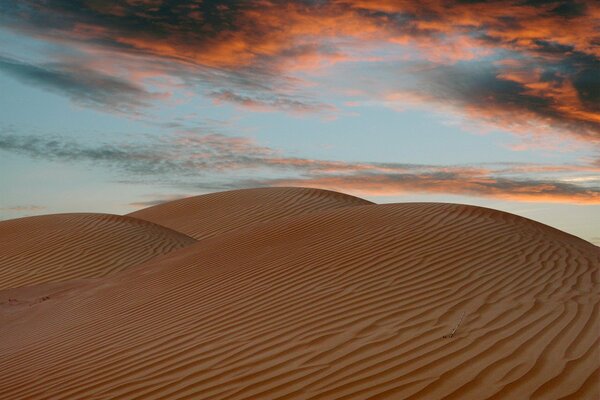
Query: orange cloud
point(542, 58)
point(455, 184)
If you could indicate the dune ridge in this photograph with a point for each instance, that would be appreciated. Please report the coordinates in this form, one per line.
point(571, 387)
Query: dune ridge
point(208, 215)
point(348, 303)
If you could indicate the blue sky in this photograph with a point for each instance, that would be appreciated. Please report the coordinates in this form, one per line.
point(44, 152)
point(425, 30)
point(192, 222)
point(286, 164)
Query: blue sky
point(109, 107)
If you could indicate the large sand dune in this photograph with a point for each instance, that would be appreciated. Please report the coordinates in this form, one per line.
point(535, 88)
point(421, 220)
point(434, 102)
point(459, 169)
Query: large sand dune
point(343, 302)
point(208, 215)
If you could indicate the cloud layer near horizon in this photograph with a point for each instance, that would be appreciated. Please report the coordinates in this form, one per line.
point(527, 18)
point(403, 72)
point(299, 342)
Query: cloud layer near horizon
point(530, 67)
point(218, 162)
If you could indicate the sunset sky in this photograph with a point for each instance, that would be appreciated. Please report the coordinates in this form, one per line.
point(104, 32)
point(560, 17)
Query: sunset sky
point(113, 106)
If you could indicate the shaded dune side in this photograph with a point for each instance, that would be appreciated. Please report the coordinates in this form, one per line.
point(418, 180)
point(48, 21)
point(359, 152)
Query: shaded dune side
point(61, 247)
point(346, 304)
point(212, 214)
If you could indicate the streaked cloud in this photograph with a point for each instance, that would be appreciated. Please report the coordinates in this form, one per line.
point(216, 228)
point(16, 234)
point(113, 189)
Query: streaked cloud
point(155, 199)
point(483, 91)
point(23, 208)
point(271, 102)
point(194, 160)
point(479, 185)
point(83, 86)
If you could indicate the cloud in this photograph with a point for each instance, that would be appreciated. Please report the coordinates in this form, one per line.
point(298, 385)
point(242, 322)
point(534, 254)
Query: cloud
point(483, 185)
point(131, 160)
point(86, 87)
point(528, 66)
point(271, 103)
point(157, 199)
point(212, 162)
point(507, 98)
point(23, 208)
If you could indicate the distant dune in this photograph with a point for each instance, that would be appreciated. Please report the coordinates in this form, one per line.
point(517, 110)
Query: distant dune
point(300, 294)
point(60, 247)
point(217, 213)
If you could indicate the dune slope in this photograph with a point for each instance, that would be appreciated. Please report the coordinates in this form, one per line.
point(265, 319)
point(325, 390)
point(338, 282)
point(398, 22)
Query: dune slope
point(351, 303)
point(212, 214)
point(61, 247)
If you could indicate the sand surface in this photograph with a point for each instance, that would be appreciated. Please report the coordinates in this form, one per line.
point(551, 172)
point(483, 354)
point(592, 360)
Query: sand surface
point(334, 299)
point(216, 213)
point(61, 247)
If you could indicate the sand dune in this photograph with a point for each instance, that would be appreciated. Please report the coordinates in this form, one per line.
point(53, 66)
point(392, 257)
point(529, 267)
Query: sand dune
point(61, 247)
point(346, 303)
point(208, 215)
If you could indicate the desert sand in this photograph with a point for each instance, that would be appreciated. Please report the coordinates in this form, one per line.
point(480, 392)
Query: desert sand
point(61, 247)
point(301, 294)
point(216, 213)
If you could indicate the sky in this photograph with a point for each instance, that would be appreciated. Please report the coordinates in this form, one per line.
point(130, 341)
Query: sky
point(112, 106)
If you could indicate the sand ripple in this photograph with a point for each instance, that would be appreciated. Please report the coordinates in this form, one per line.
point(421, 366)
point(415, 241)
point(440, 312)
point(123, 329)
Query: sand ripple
point(344, 303)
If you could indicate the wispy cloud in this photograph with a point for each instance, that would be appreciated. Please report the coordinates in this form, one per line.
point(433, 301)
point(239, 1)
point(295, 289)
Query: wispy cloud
point(155, 199)
point(271, 102)
point(87, 87)
point(480, 185)
point(23, 208)
point(213, 161)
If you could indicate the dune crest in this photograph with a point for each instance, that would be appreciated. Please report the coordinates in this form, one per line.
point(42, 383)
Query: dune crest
point(346, 303)
point(212, 214)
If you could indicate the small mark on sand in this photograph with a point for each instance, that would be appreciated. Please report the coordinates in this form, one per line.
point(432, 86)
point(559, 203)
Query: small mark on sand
point(456, 327)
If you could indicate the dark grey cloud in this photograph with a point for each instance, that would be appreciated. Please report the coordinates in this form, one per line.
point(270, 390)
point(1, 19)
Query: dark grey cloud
point(478, 83)
point(490, 92)
point(83, 86)
point(569, 9)
point(587, 84)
